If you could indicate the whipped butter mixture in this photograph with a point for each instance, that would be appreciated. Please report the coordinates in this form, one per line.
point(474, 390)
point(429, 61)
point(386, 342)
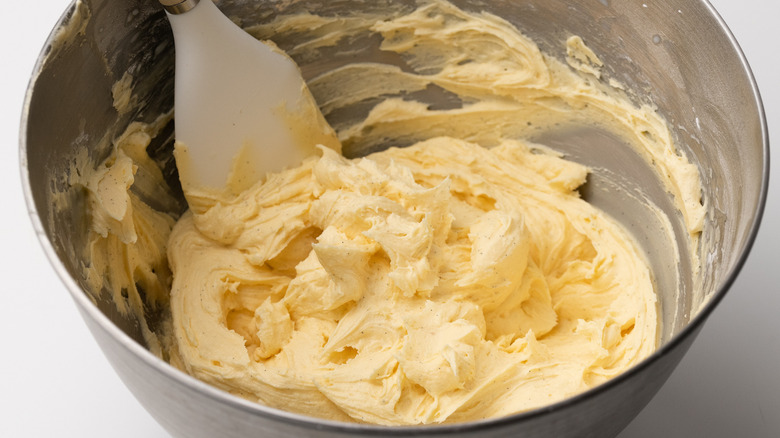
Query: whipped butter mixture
point(439, 282)
point(456, 279)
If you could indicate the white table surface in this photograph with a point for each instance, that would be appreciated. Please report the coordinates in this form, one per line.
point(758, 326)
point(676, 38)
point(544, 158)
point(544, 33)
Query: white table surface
point(55, 382)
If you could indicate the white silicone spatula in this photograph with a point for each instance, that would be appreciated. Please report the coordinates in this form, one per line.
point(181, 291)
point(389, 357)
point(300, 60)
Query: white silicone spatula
point(240, 104)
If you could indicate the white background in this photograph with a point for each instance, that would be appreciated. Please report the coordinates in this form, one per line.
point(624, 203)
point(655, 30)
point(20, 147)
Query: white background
point(54, 381)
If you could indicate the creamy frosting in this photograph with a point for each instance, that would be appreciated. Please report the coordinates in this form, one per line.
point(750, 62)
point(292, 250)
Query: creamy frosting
point(439, 282)
point(131, 213)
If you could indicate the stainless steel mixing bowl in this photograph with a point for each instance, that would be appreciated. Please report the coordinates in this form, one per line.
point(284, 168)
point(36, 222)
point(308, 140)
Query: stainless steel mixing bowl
point(677, 54)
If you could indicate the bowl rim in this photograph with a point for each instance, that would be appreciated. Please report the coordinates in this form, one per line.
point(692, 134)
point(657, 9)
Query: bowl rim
point(90, 310)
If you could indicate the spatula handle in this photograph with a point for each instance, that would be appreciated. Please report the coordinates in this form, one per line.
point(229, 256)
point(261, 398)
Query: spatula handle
point(178, 6)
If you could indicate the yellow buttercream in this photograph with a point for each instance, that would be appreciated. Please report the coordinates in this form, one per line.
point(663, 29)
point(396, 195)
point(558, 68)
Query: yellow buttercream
point(439, 282)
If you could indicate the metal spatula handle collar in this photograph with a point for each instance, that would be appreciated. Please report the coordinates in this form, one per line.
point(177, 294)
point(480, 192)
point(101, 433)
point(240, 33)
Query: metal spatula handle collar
point(178, 6)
